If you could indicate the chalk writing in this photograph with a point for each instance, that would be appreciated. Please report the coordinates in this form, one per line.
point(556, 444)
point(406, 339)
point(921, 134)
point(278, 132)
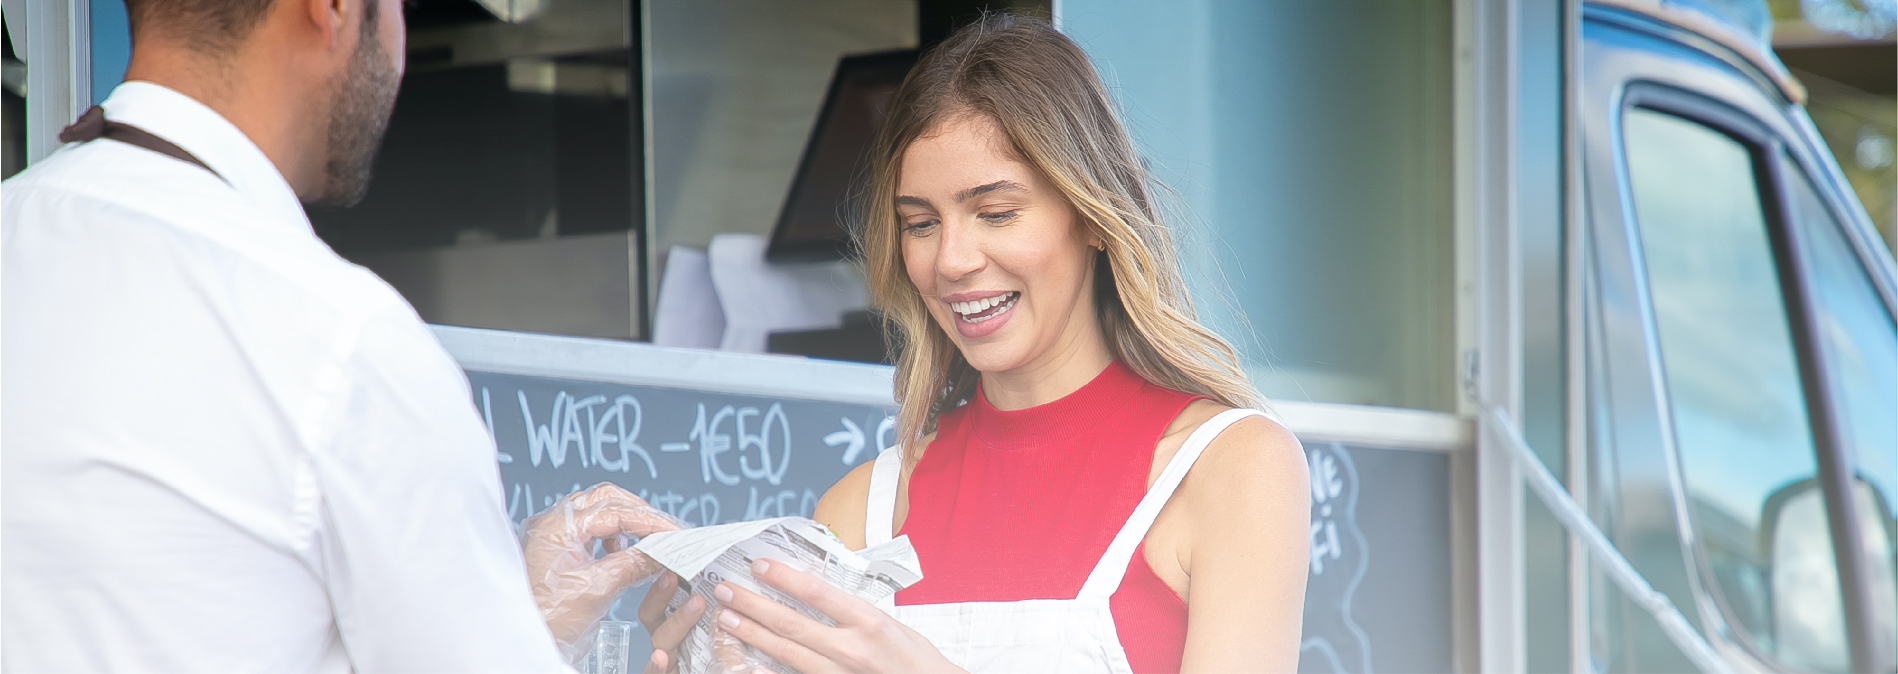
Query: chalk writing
point(701, 510)
point(761, 441)
point(487, 415)
point(588, 425)
point(713, 440)
point(1340, 556)
point(1325, 488)
point(851, 438)
point(713, 443)
point(627, 441)
point(782, 504)
point(735, 459)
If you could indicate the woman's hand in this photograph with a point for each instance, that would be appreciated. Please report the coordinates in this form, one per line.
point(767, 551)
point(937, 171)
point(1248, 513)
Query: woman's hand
point(667, 631)
point(865, 639)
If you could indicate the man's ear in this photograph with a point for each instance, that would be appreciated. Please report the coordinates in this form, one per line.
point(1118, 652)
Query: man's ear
point(329, 18)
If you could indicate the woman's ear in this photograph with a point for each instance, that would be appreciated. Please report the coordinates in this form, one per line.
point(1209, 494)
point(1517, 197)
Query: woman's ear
point(1091, 235)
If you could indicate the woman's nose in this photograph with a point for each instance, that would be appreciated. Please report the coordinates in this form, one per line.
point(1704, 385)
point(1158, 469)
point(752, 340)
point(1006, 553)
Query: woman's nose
point(961, 252)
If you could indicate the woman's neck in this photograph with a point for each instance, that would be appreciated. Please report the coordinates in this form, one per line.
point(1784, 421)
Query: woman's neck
point(1070, 364)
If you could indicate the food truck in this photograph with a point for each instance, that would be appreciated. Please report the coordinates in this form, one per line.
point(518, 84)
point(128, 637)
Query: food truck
point(1586, 332)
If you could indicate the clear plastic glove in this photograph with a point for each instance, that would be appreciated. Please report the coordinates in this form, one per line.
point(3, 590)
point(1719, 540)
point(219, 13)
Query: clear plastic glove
point(573, 588)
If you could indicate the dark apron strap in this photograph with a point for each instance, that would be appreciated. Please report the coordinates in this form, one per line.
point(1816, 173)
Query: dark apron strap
point(93, 124)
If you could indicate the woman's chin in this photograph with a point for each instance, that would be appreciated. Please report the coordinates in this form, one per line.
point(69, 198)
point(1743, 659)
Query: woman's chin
point(994, 357)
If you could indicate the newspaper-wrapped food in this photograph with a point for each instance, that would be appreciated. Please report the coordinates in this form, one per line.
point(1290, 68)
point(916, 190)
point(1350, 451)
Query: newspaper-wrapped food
point(707, 556)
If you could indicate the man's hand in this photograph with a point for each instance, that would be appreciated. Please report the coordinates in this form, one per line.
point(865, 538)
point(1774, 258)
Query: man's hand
point(573, 589)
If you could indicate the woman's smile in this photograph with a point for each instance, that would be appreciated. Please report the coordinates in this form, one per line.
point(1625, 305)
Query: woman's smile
point(981, 313)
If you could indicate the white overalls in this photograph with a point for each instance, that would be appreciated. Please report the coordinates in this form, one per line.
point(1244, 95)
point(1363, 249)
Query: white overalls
point(1037, 635)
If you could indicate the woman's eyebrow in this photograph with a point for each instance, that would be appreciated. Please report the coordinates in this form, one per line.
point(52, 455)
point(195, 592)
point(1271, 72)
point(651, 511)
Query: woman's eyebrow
point(965, 195)
point(997, 186)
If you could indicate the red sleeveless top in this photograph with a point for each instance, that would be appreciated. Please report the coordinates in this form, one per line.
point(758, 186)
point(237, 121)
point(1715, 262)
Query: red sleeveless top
point(1008, 506)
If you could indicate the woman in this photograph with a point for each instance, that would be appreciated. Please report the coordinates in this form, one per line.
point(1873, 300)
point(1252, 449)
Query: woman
point(1053, 379)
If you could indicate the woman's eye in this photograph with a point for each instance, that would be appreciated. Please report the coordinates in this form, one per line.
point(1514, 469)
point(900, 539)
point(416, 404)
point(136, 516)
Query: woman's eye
point(998, 218)
point(919, 226)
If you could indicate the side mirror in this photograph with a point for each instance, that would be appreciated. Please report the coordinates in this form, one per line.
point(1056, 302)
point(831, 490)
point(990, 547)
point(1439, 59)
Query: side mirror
point(1808, 614)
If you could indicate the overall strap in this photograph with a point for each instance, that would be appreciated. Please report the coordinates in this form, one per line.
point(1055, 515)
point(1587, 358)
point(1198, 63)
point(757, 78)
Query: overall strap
point(93, 125)
point(1106, 577)
point(880, 513)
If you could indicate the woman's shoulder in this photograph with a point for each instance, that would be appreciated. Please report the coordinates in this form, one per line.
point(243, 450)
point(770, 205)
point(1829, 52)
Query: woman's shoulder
point(1253, 450)
point(845, 505)
point(1251, 476)
point(1203, 410)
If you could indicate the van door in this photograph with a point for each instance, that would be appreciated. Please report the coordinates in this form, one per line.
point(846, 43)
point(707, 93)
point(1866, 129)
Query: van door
point(1751, 410)
point(1734, 400)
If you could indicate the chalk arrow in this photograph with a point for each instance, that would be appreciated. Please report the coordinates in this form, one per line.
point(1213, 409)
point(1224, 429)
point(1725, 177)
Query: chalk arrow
point(850, 435)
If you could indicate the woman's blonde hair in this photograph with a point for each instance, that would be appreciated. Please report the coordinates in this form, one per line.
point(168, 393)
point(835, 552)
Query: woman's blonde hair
point(1042, 91)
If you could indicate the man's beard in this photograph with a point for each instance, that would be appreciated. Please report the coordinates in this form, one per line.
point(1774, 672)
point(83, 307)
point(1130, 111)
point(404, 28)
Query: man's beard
point(358, 117)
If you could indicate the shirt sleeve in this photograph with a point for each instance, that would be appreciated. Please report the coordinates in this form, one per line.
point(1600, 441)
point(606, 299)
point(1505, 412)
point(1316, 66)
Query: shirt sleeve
point(422, 565)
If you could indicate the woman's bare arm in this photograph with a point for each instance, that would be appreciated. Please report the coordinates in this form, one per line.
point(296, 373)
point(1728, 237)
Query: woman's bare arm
point(1248, 508)
point(842, 507)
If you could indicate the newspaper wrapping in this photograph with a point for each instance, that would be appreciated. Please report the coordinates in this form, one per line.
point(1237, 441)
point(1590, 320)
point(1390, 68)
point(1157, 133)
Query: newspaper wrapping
point(706, 556)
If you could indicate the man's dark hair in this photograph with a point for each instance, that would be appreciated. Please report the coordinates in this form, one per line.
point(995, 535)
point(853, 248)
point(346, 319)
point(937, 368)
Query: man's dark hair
point(210, 26)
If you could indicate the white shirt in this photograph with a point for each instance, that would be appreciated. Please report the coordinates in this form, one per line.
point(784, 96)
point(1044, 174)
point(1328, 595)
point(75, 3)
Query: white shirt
point(223, 448)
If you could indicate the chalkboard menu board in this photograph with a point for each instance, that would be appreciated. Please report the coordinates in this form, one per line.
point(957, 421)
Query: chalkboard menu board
point(720, 437)
point(1378, 594)
point(707, 436)
point(705, 457)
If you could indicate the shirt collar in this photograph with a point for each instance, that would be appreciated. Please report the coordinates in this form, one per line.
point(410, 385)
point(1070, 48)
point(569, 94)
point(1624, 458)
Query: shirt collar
point(213, 139)
point(1087, 409)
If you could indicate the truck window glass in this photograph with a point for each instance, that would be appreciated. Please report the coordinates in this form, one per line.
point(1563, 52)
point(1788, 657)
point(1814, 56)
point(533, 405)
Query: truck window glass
point(1733, 389)
point(1861, 344)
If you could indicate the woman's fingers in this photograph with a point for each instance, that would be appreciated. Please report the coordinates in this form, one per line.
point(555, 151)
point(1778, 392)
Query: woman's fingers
point(791, 653)
point(780, 619)
point(670, 633)
point(652, 609)
point(813, 591)
point(674, 629)
point(656, 664)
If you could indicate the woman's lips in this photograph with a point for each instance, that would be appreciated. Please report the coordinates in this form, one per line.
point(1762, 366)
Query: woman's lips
point(978, 318)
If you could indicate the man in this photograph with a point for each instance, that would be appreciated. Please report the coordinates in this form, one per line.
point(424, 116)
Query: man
point(225, 448)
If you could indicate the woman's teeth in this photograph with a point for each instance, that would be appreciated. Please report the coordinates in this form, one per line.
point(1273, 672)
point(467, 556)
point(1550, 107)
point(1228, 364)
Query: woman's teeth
point(977, 311)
